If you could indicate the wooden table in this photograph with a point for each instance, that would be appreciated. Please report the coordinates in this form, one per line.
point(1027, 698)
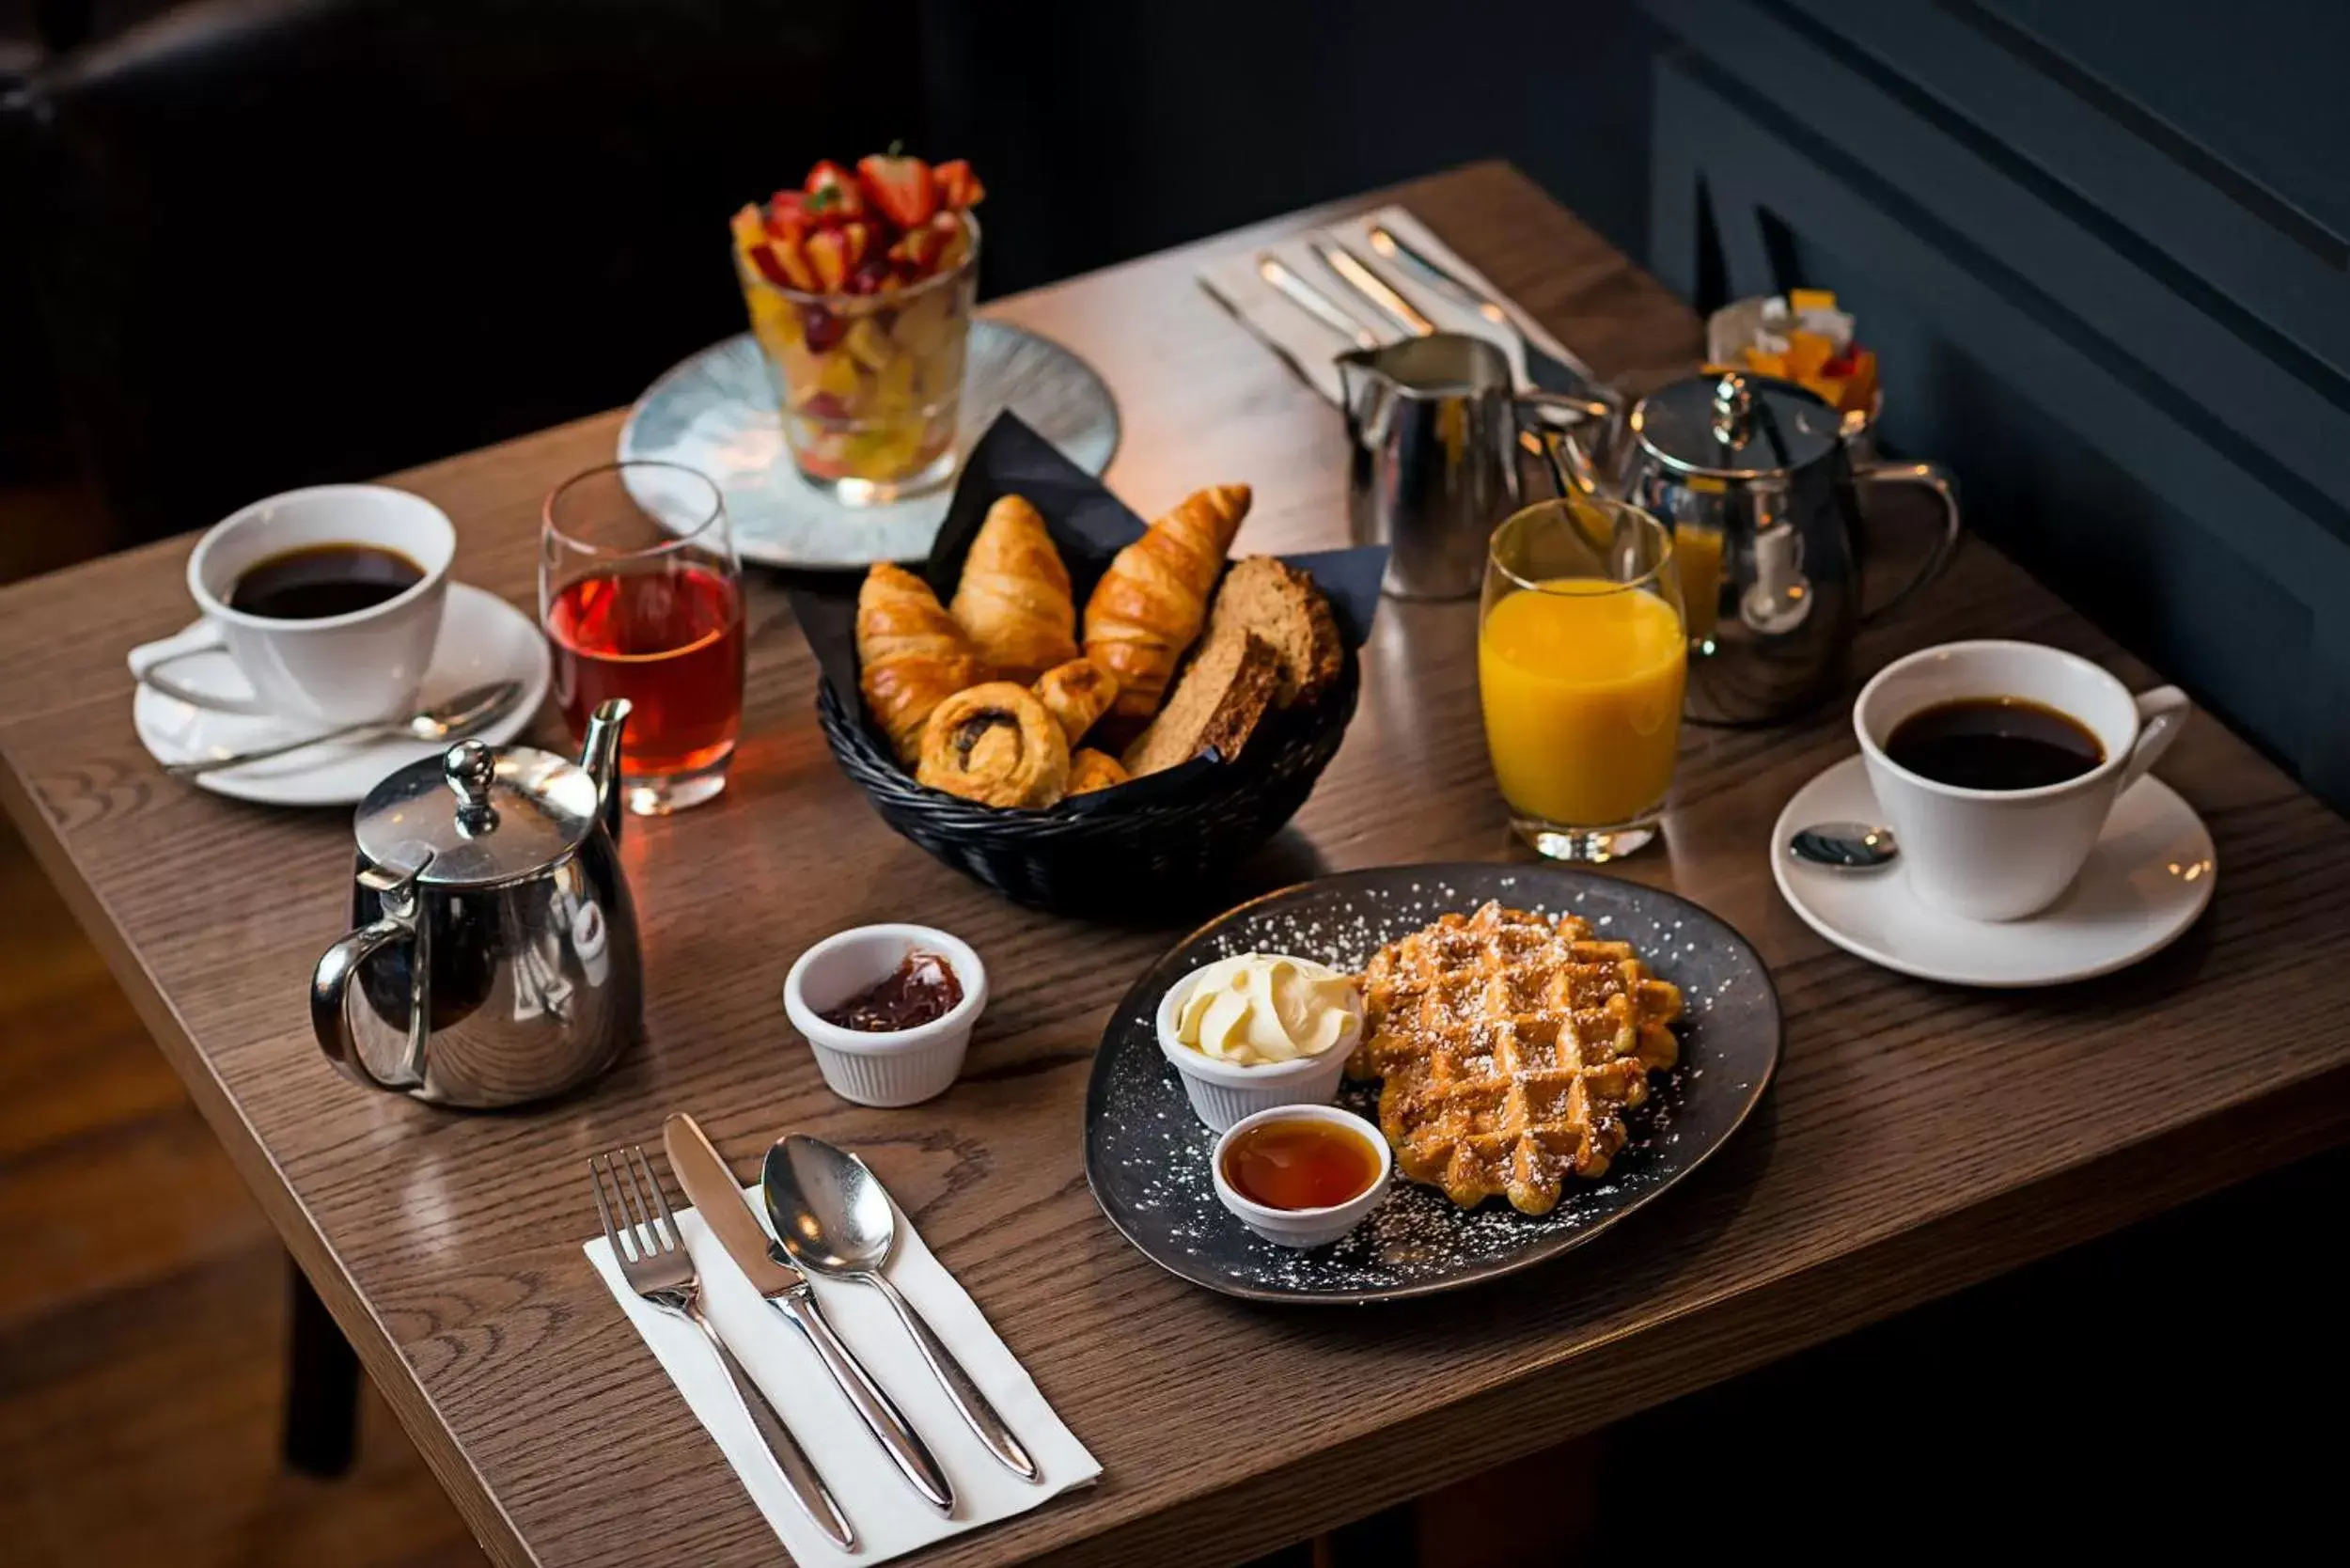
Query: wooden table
point(1919, 1137)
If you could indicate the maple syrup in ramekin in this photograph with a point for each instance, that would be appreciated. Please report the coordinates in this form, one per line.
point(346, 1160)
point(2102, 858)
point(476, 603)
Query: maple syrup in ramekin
point(1296, 1163)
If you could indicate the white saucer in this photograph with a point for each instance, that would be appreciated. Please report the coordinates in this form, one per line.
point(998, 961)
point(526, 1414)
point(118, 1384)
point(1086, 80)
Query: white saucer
point(2147, 880)
point(483, 638)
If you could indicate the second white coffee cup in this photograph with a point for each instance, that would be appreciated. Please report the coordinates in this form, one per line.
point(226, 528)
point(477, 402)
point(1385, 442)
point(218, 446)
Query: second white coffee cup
point(2002, 854)
point(333, 669)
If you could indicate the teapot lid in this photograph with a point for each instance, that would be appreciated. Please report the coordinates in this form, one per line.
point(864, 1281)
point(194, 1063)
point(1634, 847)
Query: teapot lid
point(478, 815)
point(1721, 424)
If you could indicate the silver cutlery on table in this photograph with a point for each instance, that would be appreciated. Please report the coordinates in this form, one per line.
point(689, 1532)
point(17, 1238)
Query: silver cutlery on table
point(718, 1198)
point(451, 720)
point(650, 1250)
point(1552, 372)
point(836, 1220)
point(1357, 275)
point(1845, 846)
point(1312, 301)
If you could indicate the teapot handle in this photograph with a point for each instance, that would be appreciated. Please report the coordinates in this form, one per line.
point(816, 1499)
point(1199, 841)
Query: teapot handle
point(1934, 476)
point(329, 984)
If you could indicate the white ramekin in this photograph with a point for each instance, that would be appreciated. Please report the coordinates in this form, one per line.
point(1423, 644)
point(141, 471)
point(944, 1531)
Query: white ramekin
point(1304, 1227)
point(1222, 1092)
point(903, 1067)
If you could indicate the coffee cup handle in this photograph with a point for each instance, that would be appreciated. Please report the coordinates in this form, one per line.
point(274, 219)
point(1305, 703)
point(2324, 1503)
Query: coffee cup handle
point(149, 659)
point(2161, 715)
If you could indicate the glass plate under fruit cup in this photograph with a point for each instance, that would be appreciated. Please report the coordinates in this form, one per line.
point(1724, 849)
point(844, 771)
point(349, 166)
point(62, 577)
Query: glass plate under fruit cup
point(716, 412)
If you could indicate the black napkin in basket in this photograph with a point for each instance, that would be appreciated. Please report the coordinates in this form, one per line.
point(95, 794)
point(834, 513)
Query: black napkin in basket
point(1088, 526)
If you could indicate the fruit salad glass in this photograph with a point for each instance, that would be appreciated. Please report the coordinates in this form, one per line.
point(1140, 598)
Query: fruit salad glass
point(869, 385)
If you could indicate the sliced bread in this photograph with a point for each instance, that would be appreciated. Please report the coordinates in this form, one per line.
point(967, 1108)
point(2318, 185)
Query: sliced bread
point(1217, 702)
point(1280, 604)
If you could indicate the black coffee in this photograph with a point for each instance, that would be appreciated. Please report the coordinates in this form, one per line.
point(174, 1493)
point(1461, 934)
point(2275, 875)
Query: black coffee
point(1993, 743)
point(320, 580)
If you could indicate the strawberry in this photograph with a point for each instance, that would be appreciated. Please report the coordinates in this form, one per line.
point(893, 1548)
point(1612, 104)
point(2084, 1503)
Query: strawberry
point(787, 214)
point(833, 195)
point(828, 254)
point(899, 187)
point(958, 187)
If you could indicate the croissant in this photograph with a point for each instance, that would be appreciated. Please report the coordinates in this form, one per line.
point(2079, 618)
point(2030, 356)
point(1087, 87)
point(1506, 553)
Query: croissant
point(910, 653)
point(996, 744)
point(1013, 599)
point(1091, 770)
point(1077, 693)
point(1151, 602)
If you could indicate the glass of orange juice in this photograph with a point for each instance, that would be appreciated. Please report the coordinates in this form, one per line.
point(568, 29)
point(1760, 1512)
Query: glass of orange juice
point(1581, 652)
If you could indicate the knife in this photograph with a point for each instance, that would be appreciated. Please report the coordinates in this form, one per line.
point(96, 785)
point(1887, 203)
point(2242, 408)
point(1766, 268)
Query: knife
point(1359, 277)
point(1312, 301)
point(718, 1197)
point(1553, 373)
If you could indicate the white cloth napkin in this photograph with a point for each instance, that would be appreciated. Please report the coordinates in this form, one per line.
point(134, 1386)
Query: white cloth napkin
point(889, 1518)
point(1310, 345)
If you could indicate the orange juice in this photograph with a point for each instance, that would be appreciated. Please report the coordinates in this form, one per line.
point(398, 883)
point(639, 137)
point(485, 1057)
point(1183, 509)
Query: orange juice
point(1582, 693)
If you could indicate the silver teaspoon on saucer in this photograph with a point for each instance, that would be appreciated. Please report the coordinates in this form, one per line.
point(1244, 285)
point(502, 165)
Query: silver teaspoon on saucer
point(453, 720)
point(1844, 846)
point(835, 1219)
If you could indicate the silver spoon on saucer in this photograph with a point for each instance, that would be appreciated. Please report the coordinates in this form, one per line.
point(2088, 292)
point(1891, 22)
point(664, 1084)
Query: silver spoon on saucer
point(1844, 846)
point(835, 1219)
point(451, 720)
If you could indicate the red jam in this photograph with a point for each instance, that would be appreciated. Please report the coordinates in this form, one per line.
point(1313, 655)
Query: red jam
point(922, 990)
point(1300, 1163)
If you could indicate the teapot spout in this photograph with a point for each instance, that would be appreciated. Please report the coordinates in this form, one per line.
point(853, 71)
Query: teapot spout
point(599, 754)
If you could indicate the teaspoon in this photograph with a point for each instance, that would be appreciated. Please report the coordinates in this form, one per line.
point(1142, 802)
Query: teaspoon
point(836, 1220)
point(454, 719)
point(1844, 846)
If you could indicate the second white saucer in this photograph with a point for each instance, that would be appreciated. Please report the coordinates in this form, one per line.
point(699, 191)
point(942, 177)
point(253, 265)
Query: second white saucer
point(483, 638)
point(2145, 882)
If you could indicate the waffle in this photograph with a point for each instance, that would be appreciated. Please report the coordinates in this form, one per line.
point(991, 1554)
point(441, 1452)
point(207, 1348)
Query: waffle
point(1509, 1046)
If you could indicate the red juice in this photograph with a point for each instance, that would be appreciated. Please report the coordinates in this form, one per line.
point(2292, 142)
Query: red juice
point(669, 640)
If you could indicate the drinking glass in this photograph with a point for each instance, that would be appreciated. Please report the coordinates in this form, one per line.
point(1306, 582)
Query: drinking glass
point(1581, 653)
point(640, 597)
point(869, 385)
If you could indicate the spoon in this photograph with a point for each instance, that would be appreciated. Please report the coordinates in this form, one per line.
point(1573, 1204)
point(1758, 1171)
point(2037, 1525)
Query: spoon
point(1844, 846)
point(454, 719)
point(835, 1219)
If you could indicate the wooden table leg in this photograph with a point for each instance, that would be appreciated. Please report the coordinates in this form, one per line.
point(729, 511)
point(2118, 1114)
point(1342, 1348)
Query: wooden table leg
point(322, 1434)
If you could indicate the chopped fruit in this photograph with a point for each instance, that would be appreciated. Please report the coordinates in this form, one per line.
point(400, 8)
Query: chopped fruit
point(916, 249)
point(900, 187)
point(828, 254)
point(1803, 338)
point(958, 187)
point(833, 194)
point(825, 330)
point(869, 374)
point(868, 344)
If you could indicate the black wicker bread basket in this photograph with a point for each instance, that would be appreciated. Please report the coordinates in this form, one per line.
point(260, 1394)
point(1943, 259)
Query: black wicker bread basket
point(1094, 852)
point(1171, 833)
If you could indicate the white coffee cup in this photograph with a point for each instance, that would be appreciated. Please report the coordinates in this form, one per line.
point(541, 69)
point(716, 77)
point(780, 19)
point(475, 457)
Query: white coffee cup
point(333, 669)
point(2000, 854)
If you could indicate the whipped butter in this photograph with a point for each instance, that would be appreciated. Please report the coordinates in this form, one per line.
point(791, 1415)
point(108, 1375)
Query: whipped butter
point(1253, 1009)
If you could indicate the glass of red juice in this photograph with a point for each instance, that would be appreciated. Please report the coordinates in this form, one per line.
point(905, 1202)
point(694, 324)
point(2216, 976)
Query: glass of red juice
point(641, 597)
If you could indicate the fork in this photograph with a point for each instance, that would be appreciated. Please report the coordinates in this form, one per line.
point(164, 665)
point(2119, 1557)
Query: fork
point(650, 1250)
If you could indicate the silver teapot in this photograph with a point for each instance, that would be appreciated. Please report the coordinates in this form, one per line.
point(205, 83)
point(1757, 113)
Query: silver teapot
point(1754, 478)
point(495, 959)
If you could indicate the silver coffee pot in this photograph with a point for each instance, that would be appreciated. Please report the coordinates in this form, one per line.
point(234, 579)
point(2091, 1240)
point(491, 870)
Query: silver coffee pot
point(1754, 478)
point(495, 959)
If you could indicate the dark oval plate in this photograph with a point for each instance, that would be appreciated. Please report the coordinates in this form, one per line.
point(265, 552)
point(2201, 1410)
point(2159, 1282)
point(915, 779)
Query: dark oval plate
point(1147, 1157)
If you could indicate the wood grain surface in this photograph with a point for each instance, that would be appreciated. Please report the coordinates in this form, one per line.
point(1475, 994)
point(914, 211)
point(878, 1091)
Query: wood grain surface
point(1919, 1136)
